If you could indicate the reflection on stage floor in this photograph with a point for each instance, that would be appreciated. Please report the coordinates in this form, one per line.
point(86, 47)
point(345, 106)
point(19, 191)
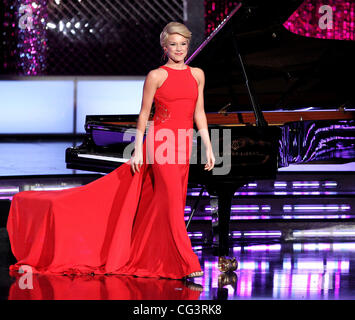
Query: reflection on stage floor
point(316, 271)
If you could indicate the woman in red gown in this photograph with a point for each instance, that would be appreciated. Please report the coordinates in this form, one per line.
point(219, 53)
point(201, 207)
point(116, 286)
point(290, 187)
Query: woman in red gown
point(131, 221)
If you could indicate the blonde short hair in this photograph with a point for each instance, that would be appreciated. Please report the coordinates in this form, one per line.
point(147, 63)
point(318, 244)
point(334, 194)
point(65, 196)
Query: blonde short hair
point(174, 27)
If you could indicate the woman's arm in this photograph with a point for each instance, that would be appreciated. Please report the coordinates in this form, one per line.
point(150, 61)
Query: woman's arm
point(200, 115)
point(201, 119)
point(151, 84)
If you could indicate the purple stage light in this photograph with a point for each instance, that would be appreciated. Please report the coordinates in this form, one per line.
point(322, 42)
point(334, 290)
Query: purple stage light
point(280, 193)
point(280, 184)
point(320, 233)
point(330, 184)
point(236, 234)
point(256, 234)
point(305, 184)
point(263, 247)
point(316, 207)
point(197, 193)
point(239, 217)
point(195, 234)
point(6, 198)
point(244, 208)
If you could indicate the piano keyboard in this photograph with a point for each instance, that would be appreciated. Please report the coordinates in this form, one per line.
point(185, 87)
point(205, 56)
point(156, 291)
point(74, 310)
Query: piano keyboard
point(106, 158)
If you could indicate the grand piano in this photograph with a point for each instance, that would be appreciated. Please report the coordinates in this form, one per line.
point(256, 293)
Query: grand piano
point(283, 97)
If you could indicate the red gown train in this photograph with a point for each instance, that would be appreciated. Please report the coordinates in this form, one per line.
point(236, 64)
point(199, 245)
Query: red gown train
point(122, 223)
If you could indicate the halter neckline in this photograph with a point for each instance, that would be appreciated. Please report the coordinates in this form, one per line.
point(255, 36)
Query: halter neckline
point(176, 69)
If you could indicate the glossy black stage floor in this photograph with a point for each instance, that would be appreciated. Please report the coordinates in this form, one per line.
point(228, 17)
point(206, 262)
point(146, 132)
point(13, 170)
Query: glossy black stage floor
point(294, 238)
point(316, 271)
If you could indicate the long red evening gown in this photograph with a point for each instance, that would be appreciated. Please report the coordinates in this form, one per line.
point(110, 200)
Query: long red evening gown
point(122, 223)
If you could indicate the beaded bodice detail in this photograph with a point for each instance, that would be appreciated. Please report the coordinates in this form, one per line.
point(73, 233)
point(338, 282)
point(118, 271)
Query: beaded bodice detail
point(175, 99)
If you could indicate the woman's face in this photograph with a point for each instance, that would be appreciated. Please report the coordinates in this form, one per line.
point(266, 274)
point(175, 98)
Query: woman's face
point(176, 47)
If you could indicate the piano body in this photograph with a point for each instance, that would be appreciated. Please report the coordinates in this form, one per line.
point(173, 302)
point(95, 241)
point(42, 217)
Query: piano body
point(283, 97)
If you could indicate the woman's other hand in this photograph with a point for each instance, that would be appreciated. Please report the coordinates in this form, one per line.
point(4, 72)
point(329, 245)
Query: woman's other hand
point(136, 160)
point(210, 159)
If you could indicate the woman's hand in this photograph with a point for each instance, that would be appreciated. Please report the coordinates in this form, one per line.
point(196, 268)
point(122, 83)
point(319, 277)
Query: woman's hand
point(210, 159)
point(136, 160)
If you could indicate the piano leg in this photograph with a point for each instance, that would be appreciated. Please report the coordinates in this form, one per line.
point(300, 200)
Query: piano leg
point(221, 201)
point(221, 207)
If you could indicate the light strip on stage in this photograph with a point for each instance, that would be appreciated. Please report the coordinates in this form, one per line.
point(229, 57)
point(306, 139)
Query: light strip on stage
point(252, 185)
point(281, 193)
point(331, 265)
point(335, 246)
point(266, 217)
point(288, 208)
point(311, 247)
point(195, 234)
point(245, 193)
point(276, 193)
point(239, 234)
point(256, 234)
point(262, 234)
point(53, 188)
point(6, 198)
point(316, 207)
point(236, 234)
point(197, 193)
point(244, 208)
point(238, 217)
point(263, 247)
point(343, 246)
point(280, 184)
point(305, 193)
point(314, 233)
point(305, 184)
point(97, 157)
point(330, 184)
point(342, 216)
point(9, 189)
point(345, 167)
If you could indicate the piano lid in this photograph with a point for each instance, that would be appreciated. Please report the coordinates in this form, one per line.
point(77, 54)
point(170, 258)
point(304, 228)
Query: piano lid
point(288, 71)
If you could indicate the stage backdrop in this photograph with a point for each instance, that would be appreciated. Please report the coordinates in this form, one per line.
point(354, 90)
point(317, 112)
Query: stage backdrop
point(53, 42)
point(101, 37)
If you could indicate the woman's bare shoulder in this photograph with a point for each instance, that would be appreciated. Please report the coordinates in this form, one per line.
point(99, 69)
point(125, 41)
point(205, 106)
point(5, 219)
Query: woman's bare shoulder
point(198, 74)
point(196, 69)
point(157, 74)
point(156, 77)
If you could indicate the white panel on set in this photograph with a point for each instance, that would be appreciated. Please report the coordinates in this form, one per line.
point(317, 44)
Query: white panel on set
point(36, 106)
point(108, 97)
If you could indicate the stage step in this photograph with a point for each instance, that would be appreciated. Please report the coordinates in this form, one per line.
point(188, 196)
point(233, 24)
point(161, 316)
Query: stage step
point(270, 208)
point(253, 207)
